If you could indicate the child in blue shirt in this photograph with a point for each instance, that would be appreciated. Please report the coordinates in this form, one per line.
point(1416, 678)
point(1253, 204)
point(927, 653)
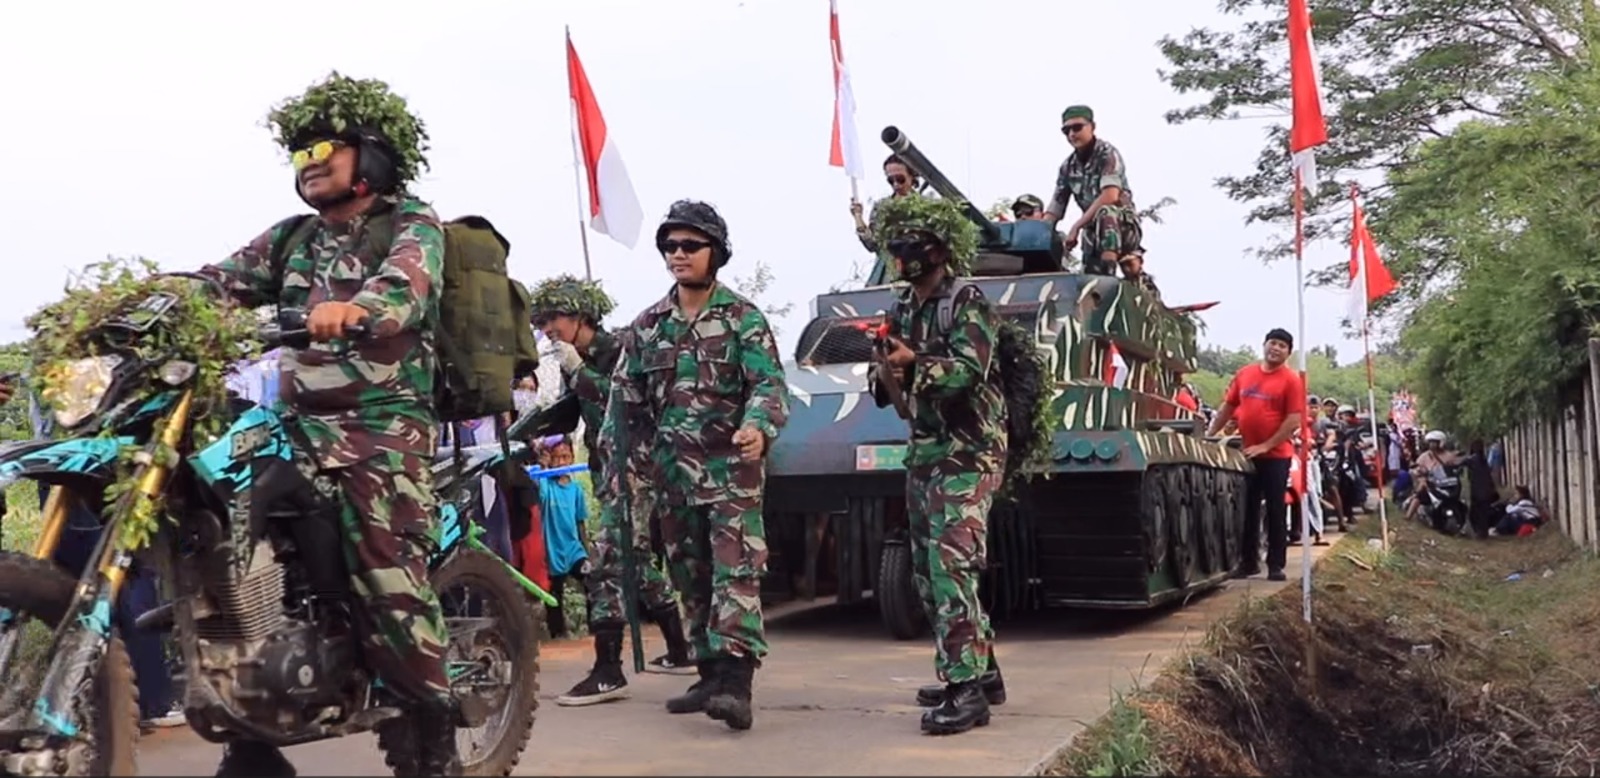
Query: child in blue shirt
point(564, 506)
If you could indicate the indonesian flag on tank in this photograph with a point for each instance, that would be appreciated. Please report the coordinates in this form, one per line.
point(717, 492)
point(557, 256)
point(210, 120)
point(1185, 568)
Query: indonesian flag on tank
point(613, 207)
point(1308, 128)
point(844, 151)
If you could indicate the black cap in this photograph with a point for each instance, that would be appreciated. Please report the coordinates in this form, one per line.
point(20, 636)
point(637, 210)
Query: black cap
point(1279, 333)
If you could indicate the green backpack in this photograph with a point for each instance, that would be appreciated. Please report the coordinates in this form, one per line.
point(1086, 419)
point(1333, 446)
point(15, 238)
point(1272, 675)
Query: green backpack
point(484, 339)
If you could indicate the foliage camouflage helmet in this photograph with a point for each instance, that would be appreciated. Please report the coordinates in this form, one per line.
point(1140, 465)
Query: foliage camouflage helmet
point(363, 110)
point(699, 216)
point(567, 295)
point(939, 218)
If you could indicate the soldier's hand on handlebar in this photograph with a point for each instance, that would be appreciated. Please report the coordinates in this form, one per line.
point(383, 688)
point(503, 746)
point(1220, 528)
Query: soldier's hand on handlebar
point(329, 319)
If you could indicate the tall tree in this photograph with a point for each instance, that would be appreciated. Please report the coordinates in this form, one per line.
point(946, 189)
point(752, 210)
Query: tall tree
point(1395, 73)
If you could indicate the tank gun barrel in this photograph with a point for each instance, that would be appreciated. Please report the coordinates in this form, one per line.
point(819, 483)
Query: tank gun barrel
point(906, 150)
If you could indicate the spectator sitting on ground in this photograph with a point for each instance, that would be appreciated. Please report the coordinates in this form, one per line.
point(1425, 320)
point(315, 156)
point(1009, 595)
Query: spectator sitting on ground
point(1521, 517)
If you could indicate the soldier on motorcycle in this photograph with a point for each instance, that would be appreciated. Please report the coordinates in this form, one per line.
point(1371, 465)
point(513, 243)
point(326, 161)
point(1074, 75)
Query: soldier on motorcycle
point(365, 408)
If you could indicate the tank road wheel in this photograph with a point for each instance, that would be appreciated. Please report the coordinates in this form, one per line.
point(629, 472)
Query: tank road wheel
point(898, 601)
point(1209, 500)
point(1153, 517)
point(1232, 522)
point(1180, 517)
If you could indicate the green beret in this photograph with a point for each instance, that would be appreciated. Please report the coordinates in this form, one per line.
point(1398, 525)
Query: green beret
point(1077, 112)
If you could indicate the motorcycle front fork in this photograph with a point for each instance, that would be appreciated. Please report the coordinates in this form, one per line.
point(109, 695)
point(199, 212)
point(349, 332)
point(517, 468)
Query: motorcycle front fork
point(81, 638)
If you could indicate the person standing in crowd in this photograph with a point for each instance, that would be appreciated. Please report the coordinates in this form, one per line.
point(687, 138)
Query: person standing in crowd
point(946, 376)
point(700, 391)
point(1268, 399)
point(563, 508)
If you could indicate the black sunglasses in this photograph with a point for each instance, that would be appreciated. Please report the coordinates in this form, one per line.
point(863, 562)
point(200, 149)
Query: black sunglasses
point(912, 249)
point(896, 180)
point(1023, 212)
point(670, 247)
point(1068, 129)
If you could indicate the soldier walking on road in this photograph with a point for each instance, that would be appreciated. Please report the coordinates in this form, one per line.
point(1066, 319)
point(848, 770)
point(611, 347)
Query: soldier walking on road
point(957, 454)
point(700, 391)
point(1095, 177)
point(570, 312)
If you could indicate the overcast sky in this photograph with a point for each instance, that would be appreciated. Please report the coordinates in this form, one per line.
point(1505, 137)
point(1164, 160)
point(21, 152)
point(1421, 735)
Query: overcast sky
point(137, 128)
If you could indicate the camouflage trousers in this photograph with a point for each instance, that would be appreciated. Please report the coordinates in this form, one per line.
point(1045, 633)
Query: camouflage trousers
point(610, 543)
point(388, 515)
point(717, 554)
point(1114, 230)
point(948, 513)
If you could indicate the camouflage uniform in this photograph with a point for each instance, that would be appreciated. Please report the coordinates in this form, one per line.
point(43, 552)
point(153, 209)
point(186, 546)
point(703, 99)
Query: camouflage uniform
point(1083, 176)
point(954, 464)
point(366, 410)
point(681, 390)
point(592, 385)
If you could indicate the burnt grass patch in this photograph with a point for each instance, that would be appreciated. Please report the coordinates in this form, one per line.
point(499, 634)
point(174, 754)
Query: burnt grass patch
point(1446, 656)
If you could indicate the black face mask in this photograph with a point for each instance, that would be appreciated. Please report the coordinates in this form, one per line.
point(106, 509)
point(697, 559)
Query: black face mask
point(914, 256)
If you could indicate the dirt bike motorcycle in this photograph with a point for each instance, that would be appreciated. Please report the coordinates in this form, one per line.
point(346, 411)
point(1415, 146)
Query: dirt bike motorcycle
point(262, 611)
point(1441, 501)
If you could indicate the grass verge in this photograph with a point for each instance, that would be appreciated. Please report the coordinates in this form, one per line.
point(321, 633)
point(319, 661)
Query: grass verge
point(1446, 656)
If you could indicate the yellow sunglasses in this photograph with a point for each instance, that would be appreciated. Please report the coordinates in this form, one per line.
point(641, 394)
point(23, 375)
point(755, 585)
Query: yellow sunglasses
point(316, 153)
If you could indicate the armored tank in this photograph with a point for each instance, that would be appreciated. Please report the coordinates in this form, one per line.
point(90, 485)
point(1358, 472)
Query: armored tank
point(1137, 507)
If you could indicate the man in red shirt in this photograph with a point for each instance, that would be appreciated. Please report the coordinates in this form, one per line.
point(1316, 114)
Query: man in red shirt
point(1267, 398)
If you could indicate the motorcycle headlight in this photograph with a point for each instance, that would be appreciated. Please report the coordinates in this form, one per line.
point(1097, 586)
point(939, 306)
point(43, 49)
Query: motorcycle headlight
point(81, 385)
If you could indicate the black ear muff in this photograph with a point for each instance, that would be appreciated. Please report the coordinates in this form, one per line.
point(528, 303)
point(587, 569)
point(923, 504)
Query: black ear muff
point(375, 169)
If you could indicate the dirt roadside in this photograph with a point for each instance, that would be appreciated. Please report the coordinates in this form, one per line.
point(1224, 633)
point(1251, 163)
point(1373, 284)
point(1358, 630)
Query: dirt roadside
point(836, 697)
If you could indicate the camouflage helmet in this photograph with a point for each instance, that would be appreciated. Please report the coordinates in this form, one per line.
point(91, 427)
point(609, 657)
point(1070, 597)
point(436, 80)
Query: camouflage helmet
point(942, 219)
point(567, 295)
point(1029, 200)
point(701, 217)
point(363, 110)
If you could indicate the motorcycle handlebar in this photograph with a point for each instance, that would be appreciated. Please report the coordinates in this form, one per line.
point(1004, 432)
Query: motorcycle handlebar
point(290, 330)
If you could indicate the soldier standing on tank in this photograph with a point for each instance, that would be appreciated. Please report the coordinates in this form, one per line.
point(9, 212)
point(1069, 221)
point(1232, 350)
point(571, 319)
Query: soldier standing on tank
point(700, 392)
point(1133, 270)
point(569, 311)
point(1094, 176)
point(902, 181)
point(950, 386)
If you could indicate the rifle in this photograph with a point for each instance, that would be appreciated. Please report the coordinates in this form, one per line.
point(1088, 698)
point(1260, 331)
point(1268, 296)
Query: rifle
point(630, 576)
point(888, 376)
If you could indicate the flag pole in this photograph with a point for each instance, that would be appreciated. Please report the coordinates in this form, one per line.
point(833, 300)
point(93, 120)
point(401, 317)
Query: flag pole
point(1305, 425)
point(577, 169)
point(1372, 392)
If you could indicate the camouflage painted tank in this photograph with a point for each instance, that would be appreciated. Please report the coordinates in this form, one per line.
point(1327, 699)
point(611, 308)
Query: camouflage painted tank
point(1138, 508)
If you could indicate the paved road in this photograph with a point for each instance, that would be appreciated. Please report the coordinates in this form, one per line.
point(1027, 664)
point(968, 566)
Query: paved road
point(836, 697)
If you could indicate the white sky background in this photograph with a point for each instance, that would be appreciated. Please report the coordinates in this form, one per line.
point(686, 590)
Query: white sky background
point(136, 128)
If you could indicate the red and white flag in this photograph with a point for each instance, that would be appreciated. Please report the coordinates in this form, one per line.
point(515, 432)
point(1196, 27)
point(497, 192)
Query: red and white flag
point(845, 151)
point(1369, 279)
point(1308, 129)
point(613, 206)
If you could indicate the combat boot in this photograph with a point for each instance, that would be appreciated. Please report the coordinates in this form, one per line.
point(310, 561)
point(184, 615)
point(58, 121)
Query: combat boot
point(605, 681)
point(730, 702)
point(962, 709)
point(437, 753)
point(252, 759)
point(694, 700)
point(993, 684)
point(676, 661)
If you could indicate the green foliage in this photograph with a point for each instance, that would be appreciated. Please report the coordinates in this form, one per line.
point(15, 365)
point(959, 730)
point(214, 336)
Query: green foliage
point(567, 294)
point(201, 328)
point(1395, 74)
point(1505, 212)
point(941, 218)
point(755, 286)
point(339, 104)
